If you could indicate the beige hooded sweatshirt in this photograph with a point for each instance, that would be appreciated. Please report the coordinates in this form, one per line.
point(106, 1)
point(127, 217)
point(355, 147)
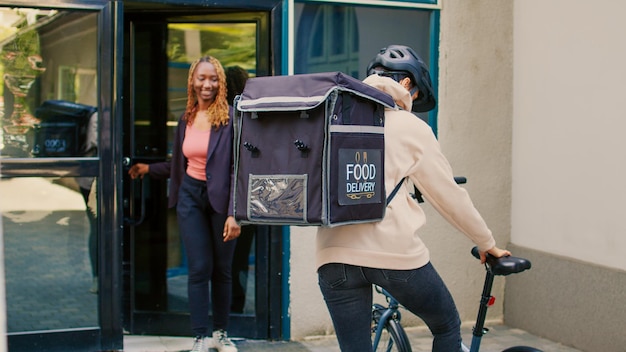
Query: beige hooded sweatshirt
point(412, 150)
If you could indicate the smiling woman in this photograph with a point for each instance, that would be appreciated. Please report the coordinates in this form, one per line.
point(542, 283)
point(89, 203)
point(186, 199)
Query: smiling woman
point(159, 295)
point(200, 189)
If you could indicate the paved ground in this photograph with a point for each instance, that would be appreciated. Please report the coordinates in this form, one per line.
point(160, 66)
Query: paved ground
point(499, 338)
point(60, 279)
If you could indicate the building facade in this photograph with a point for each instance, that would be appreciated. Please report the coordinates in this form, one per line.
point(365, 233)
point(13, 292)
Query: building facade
point(89, 253)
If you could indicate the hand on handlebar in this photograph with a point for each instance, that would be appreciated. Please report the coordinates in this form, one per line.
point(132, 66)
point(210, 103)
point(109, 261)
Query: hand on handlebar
point(138, 170)
point(495, 251)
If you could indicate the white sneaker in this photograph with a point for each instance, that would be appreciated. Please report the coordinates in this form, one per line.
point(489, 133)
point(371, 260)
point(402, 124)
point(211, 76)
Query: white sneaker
point(201, 344)
point(222, 343)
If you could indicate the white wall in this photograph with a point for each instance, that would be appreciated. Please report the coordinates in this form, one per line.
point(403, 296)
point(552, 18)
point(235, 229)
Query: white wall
point(568, 159)
point(530, 110)
point(569, 129)
point(475, 114)
point(475, 110)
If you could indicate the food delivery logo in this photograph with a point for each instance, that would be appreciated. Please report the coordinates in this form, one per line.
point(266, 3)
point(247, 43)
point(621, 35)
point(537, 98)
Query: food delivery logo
point(361, 176)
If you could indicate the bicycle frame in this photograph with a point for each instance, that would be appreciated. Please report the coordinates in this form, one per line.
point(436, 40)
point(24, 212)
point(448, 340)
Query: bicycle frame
point(389, 312)
point(493, 267)
point(486, 300)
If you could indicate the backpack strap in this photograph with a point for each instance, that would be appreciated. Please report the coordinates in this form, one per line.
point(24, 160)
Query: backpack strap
point(417, 195)
point(395, 190)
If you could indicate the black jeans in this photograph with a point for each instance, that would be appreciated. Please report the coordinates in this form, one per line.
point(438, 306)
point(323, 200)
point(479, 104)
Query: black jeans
point(209, 258)
point(347, 290)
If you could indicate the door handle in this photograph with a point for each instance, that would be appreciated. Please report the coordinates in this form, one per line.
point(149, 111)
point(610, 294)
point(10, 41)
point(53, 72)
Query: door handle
point(142, 212)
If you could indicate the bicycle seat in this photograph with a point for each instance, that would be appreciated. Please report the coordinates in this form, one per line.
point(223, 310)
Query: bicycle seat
point(504, 265)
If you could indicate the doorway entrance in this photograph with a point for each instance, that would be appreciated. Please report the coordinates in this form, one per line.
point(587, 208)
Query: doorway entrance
point(158, 50)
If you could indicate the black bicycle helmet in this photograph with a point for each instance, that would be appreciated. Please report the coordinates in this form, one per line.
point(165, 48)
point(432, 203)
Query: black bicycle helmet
point(399, 59)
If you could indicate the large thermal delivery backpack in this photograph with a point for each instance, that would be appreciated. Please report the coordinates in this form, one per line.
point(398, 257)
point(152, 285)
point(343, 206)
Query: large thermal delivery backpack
point(309, 150)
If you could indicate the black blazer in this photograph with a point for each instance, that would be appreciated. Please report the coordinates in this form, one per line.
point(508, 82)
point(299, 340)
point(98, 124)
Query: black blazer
point(219, 167)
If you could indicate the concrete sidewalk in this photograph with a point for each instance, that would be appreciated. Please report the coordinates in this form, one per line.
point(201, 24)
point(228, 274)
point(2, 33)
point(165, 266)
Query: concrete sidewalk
point(499, 338)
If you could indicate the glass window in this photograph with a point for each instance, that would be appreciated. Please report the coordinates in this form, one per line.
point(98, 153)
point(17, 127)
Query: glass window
point(49, 82)
point(234, 44)
point(48, 108)
point(345, 38)
point(50, 249)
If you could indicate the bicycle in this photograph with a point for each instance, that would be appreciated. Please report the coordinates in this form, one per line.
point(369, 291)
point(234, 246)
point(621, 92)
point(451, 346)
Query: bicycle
point(387, 326)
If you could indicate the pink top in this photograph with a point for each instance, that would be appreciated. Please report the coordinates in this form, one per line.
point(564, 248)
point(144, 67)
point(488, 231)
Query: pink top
point(195, 149)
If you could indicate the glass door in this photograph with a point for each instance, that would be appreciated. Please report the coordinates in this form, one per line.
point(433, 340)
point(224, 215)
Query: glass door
point(51, 147)
point(159, 50)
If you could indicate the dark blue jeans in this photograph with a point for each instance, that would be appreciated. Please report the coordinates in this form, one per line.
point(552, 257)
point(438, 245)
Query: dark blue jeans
point(209, 258)
point(347, 290)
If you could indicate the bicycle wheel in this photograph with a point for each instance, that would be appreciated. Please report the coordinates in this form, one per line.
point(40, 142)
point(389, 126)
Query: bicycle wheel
point(394, 338)
point(521, 349)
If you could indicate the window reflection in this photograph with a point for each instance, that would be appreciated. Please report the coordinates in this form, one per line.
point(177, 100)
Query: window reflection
point(50, 232)
point(46, 55)
point(327, 39)
point(48, 108)
point(340, 17)
point(343, 38)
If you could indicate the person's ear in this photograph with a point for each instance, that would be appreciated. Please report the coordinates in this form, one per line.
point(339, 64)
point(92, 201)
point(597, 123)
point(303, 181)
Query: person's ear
point(406, 83)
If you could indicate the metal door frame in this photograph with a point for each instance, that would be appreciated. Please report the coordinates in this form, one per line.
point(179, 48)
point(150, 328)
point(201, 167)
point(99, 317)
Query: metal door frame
point(270, 251)
point(108, 335)
point(108, 167)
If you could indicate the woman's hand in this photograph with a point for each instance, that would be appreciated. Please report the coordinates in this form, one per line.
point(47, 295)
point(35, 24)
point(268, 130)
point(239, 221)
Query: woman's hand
point(495, 251)
point(231, 229)
point(138, 170)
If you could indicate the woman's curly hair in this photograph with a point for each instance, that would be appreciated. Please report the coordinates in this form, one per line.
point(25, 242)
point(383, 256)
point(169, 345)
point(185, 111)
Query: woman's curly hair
point(218, 110)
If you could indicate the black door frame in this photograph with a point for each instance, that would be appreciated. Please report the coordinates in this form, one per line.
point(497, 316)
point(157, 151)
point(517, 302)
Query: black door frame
point(267, 321)
point(108, 336)
point(110, 169)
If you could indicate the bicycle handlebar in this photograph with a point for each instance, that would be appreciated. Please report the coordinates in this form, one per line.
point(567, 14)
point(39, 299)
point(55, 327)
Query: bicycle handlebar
point(504, 265)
